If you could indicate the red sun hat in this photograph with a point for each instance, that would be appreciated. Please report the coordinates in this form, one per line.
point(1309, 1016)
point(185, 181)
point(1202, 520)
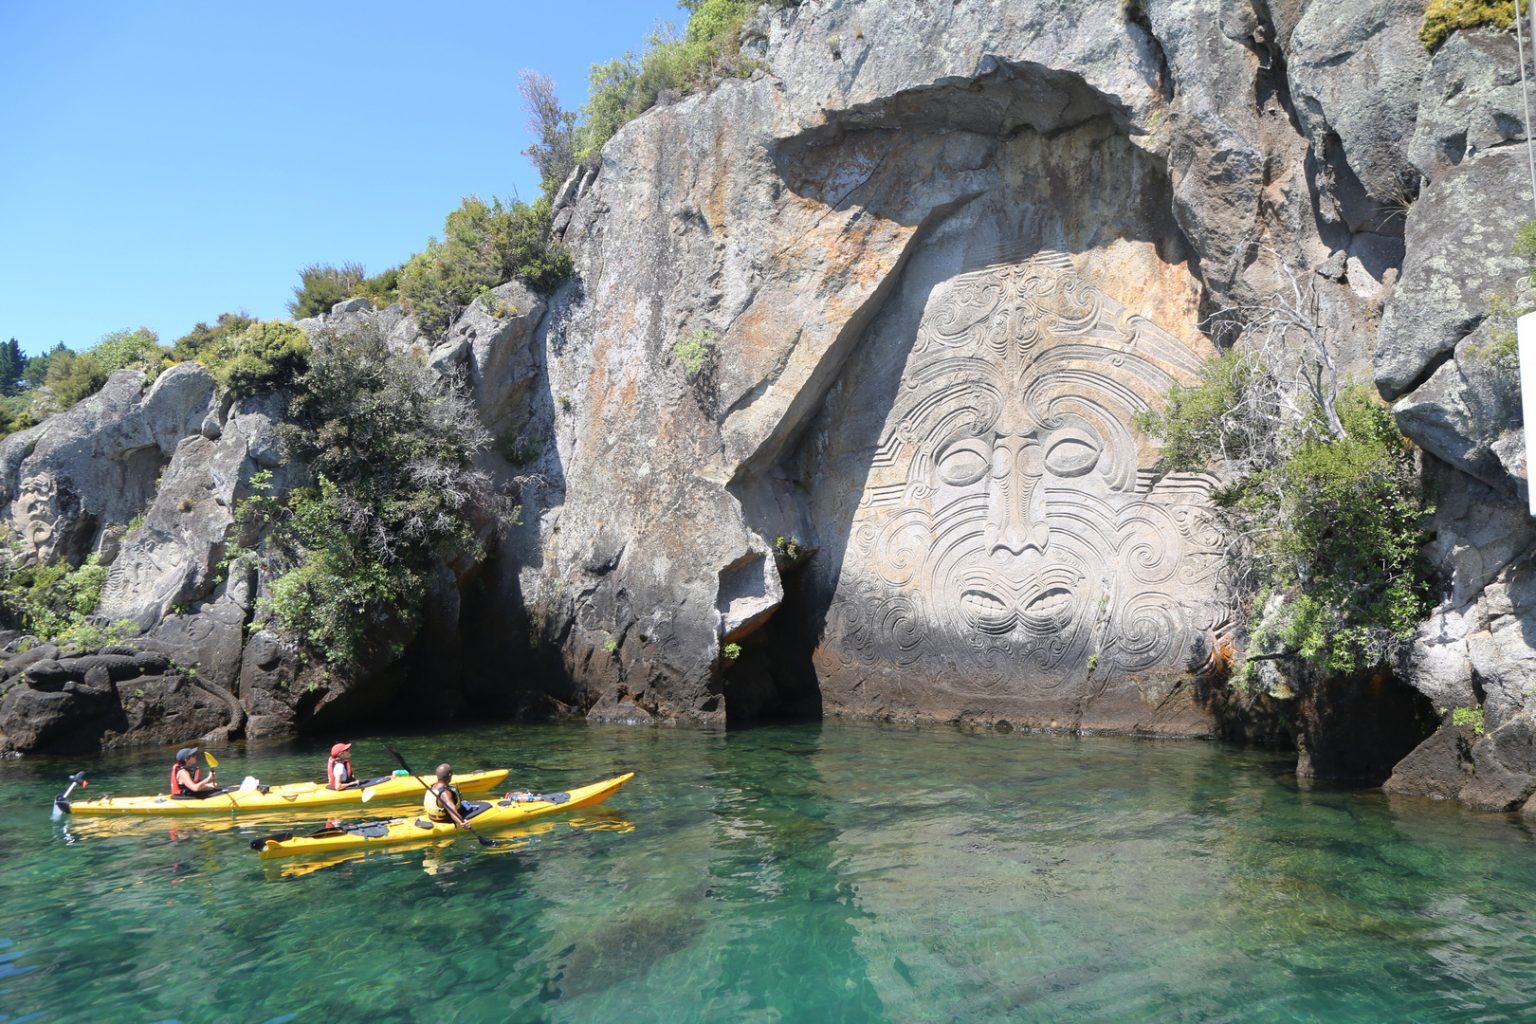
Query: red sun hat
point(340, 748)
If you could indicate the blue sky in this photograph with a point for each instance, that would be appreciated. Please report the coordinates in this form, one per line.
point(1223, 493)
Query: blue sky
point(164, 162)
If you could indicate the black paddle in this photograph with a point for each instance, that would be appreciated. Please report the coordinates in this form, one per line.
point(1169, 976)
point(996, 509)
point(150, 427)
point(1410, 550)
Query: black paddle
point(441, 802)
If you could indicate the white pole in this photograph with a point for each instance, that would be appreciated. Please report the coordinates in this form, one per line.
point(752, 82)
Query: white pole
point(1525, 327)
point(1525, 331)
point(1525, 98)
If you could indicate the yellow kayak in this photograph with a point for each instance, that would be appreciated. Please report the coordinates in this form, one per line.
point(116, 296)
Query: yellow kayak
point(295, 796)
point(373, 834)
point(514, 838)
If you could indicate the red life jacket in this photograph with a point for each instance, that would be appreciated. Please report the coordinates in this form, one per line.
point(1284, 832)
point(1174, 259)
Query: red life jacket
point(330, 771)
point(176, 768)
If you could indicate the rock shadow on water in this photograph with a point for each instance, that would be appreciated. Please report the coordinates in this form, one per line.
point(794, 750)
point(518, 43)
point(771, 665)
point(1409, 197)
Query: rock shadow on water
point(626, 949)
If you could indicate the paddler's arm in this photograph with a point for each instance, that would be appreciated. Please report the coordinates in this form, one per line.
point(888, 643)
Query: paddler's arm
point(454, 810)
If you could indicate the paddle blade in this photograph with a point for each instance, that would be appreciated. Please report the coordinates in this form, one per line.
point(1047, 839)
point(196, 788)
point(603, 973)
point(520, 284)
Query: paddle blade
point(368, 794)
point(213, 762)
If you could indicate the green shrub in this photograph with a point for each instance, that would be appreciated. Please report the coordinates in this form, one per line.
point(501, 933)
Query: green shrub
point(72, 376)
point(1469, 716)
point(695, 352)
point(16, 413)
point(50, 600)
point(1442, 17)
point(321, 286)
point(390, 448)
point(267, 354)
point(202, 342)
point(128, 350)
point(37, 367)
point(730, 652)
point(483, 246)
point(707, 51)
point(382, 289)
point(1333, 522)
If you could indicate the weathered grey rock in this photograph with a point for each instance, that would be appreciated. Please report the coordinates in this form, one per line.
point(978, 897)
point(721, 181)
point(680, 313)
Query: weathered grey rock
point(1469, 102)
point(171, 559)
point(1468, 413)
point(1504, 768)
point(98, 463)
point(1438, 768)
point(1354, 72)
point(1458, 238)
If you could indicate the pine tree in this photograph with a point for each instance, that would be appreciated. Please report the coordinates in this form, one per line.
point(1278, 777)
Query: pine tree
point(12, 363)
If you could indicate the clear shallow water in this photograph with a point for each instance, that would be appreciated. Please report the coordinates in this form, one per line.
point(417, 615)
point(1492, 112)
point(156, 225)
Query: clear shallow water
point(837, 873)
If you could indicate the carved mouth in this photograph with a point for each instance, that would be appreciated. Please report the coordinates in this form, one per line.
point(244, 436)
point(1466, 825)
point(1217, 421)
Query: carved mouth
point(986, 611)
point(1049, 608)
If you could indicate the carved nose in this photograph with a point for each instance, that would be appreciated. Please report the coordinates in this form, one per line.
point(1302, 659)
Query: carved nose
point(1019, 515)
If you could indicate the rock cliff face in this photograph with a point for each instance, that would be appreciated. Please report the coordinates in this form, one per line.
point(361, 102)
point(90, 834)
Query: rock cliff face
point(838, 413)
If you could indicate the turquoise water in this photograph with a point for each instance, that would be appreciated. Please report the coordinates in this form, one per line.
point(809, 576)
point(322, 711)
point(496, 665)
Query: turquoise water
point(837, 873)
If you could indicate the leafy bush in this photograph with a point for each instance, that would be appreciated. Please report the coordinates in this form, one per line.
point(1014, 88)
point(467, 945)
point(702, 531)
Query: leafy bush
point(128, 350)
point(1469, 716)
point(695, 351)
point(390, 448)
point(268, 354)
point(1442, 17)
point(51, 600)
point(71, 376)
point(321, 286)
point(202, 342)
point(483, 246)
point(708, 50)
point(1329, 519)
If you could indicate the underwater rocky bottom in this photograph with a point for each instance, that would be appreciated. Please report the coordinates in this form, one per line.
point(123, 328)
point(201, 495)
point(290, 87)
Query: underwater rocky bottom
point(819, 872)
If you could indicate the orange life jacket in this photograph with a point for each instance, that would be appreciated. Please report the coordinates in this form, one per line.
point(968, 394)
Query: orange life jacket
point(330, 771)
point(176, 768)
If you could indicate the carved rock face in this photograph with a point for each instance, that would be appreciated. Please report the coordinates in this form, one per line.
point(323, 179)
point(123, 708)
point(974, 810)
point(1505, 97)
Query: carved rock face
point(1012, 543)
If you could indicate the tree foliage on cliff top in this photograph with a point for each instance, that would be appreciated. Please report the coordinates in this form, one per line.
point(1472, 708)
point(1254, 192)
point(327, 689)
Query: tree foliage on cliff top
point(322, 285)
point(484, 245)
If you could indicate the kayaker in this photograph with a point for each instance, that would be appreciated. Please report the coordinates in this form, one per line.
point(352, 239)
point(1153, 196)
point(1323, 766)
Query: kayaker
point(338, 769)
point(187, 780)
point(446, 809)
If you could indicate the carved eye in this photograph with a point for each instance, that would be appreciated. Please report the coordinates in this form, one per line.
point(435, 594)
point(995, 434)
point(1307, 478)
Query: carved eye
point(1072, 456)
point(965, 463)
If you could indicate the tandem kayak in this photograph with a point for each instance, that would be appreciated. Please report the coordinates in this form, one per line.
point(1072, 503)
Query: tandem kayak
point(483, 816)
point(295, 796)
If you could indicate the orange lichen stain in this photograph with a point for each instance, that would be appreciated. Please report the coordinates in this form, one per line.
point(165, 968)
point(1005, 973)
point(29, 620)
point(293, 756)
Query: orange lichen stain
point(1223, 654)
point(1167, 294)
point(713, 207)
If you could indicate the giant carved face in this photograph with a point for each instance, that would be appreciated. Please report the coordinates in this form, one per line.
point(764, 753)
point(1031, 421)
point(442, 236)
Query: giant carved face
point(1011, 521)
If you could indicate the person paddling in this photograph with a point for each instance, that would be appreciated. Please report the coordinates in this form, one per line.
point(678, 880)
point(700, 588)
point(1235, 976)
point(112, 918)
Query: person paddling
point(449, 807)
point(338, 769)
point(187, 780)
